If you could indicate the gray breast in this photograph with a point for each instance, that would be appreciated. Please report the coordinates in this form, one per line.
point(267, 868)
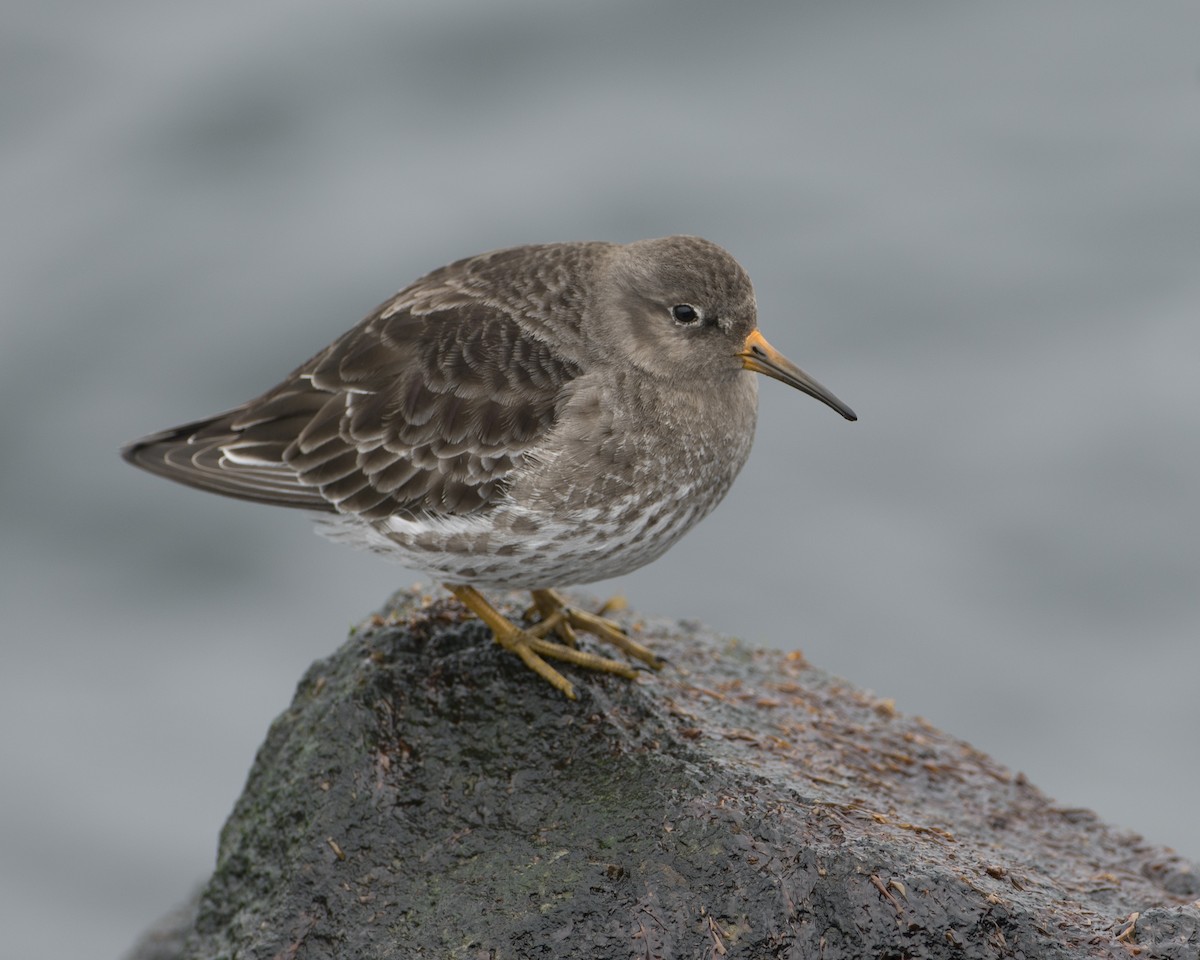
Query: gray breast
point(632, 467)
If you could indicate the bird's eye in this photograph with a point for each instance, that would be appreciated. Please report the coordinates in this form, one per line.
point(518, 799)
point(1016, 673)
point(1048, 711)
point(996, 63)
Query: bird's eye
point(685, 313)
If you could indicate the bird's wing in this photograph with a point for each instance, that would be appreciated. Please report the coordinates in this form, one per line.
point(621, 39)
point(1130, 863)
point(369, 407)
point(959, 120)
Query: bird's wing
point(426, 406)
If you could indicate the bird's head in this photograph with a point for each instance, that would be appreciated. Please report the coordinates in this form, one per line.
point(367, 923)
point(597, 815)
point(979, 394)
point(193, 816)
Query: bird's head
point(682, 309)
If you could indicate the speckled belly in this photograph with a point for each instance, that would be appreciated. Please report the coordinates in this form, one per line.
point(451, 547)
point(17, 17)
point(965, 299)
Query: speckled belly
point(575, 515)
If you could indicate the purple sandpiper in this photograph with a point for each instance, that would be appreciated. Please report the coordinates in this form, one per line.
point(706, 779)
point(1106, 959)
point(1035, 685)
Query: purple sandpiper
point(530, 418)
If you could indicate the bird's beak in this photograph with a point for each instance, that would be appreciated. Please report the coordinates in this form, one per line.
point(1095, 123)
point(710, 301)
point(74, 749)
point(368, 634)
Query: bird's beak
point(761, 357)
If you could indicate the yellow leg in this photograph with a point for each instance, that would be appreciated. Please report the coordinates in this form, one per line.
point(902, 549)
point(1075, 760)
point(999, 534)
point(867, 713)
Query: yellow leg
point(532, 648)
point(551, 617)
point(560, 617)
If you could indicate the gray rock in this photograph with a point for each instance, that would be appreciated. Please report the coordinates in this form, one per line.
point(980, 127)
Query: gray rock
point(426, 796)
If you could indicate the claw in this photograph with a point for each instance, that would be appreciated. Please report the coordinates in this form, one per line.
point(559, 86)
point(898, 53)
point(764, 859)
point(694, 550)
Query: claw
point(554, 607)
point(531, 645)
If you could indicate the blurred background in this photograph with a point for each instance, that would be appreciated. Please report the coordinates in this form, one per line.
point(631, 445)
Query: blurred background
point(978, 224)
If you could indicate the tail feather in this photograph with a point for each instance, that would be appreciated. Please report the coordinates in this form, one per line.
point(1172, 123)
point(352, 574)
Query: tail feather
point(215, 455)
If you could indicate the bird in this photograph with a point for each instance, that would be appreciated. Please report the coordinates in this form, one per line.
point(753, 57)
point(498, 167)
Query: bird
point(530, 418)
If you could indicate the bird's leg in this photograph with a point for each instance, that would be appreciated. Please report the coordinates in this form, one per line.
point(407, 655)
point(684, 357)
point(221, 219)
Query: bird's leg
point(560, 617)
point(552, 617)
point(532, 648)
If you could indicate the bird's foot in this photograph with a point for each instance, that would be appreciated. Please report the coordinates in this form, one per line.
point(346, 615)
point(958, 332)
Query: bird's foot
point(559, 617)
point(533, 648)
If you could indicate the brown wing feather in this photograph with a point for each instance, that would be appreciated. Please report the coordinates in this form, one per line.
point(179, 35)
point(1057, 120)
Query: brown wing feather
point(426, 406)
point(194, 454)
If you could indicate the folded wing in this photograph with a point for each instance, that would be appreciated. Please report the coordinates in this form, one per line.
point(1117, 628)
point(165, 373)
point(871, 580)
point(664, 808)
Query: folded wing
point(427, 406)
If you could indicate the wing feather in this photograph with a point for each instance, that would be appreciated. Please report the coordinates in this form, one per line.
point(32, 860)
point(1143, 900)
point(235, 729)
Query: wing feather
point(427, 406)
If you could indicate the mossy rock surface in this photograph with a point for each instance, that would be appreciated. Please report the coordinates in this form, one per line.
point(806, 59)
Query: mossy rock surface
point(426, 796)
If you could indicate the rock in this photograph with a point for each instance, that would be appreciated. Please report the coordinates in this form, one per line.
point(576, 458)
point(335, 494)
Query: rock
point(426, 796)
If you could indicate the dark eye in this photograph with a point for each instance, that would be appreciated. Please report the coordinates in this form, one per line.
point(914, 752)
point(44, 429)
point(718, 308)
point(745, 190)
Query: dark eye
point(685, 313)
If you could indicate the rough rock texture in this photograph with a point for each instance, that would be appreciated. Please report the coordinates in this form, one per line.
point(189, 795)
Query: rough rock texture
point(426, 796)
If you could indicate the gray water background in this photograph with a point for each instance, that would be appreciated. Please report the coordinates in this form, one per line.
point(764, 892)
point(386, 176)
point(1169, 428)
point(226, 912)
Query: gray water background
point(978, 224)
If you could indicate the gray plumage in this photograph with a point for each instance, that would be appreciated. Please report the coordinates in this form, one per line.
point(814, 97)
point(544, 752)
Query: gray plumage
point(537, 416)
